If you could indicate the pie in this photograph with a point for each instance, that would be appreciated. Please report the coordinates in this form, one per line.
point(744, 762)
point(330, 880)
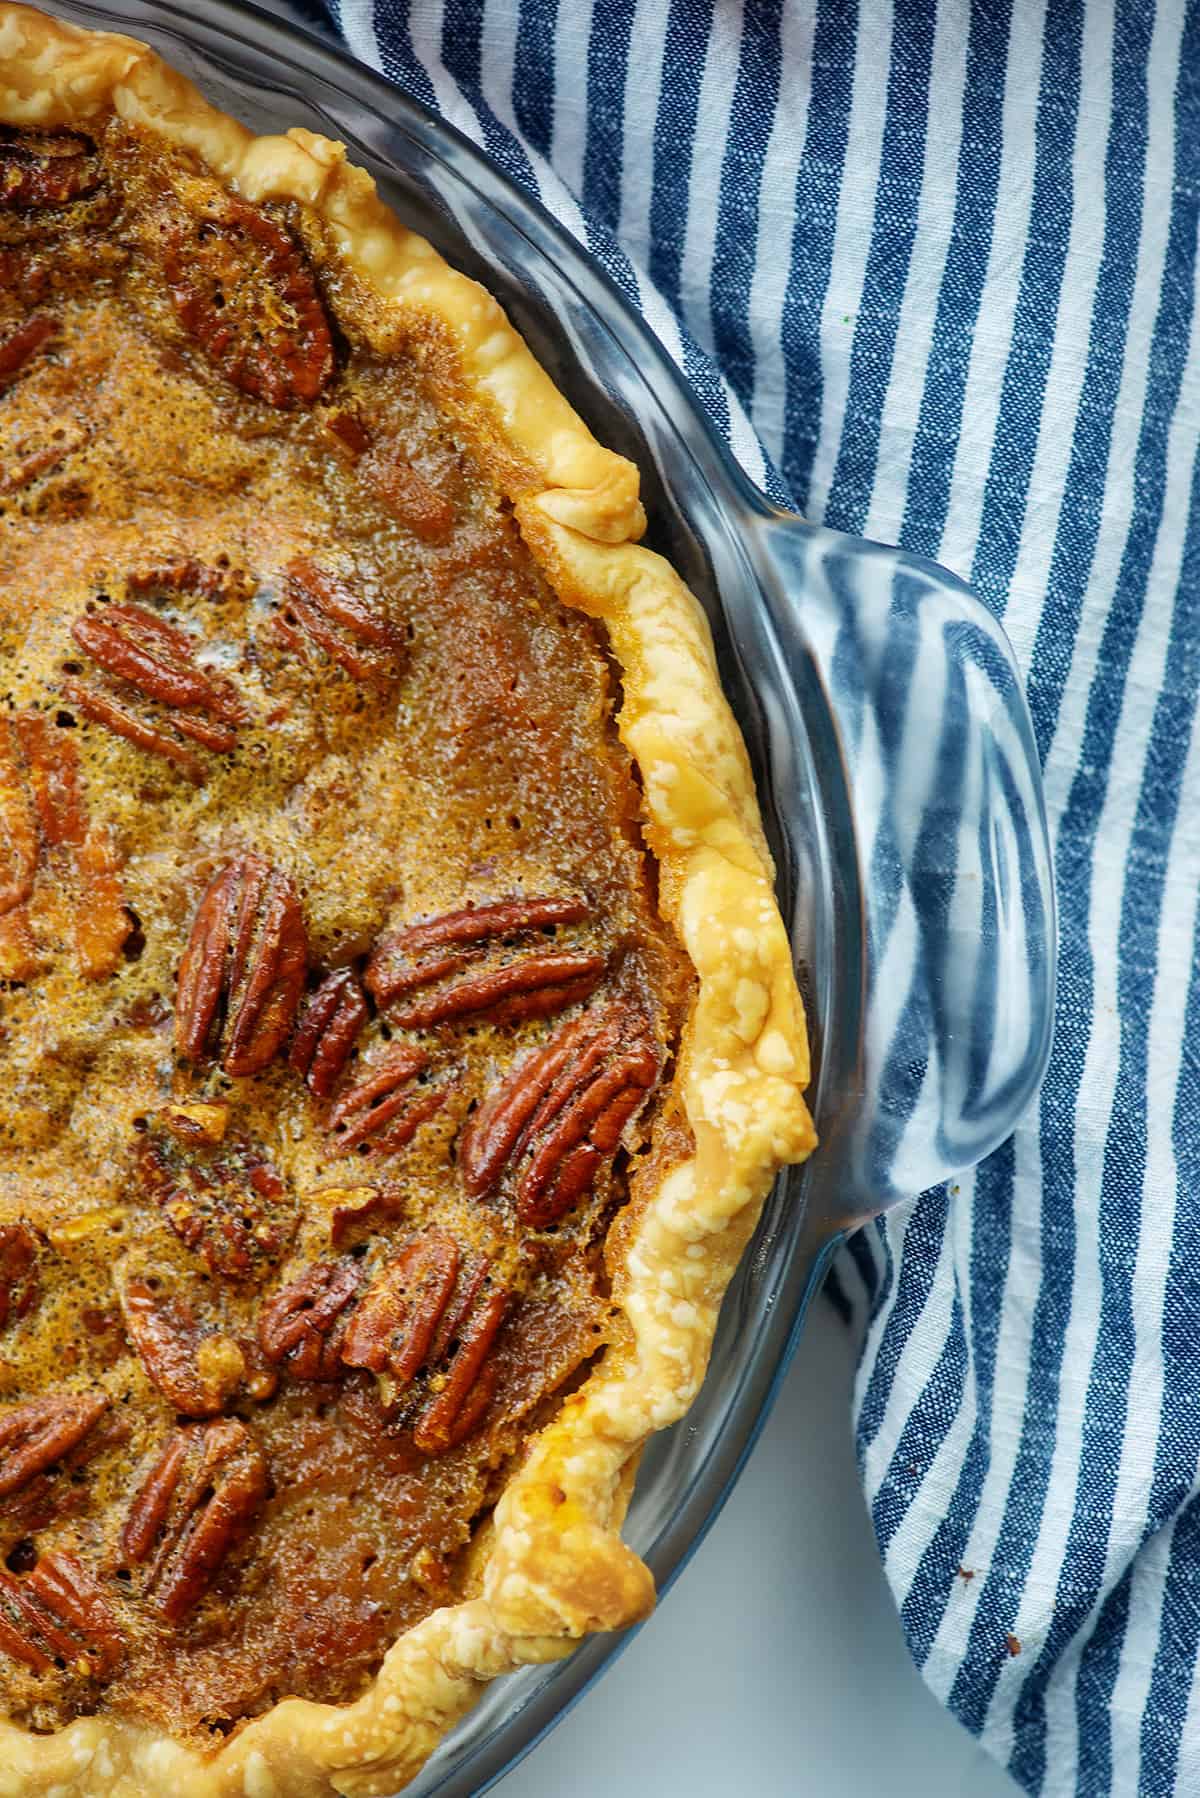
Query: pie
point(399, 1030)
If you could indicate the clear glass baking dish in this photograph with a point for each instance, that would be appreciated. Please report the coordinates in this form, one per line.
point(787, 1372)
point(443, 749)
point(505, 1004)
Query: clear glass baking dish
point(889, 738)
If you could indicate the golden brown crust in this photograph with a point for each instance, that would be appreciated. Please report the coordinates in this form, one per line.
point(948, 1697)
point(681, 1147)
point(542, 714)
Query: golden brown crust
point(554, 1567)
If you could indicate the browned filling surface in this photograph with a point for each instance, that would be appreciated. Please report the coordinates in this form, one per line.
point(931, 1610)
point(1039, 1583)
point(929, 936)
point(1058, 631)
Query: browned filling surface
point(336, 1009)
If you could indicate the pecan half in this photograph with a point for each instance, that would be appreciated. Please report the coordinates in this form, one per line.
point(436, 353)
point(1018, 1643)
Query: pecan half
point(536, 986)
point(18, 826)
point(19, 1282)
point(327, 1032)
point(19, 958)
point(45, 168)
point(437, 950)
point(397, 965)
point(321, 609)
point(57, 1615)
point(349, 429)
point(198, 1500)
point(53, 773)
point(243, 290)
point(500, 1127)
point(102, 708)
point(63, 1489)
point(432, 1313)
point(385, 1097)
point(157, 661)
point(155, 657)
point(21, 345)
point(304, 1324)
point(184, 574)
point(50, 779)
point(103, 923)
point(19, 844)
point(564, 1107)
point(196, 1373)
point(225, 1201)
point(243, 970)
point(41, 453)
point(36, 1434)
point(408, 496)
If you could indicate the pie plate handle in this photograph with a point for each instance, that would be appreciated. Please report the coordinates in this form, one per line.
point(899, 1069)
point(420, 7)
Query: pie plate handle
point(941, 945)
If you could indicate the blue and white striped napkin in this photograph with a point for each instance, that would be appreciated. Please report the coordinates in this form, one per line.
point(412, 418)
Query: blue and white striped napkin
point(932, 268)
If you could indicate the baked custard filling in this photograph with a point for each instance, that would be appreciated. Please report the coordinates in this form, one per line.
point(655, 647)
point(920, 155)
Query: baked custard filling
point(338, 1011)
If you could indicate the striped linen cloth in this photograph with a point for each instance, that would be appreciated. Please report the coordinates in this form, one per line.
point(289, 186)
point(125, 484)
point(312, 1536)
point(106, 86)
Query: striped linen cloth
point(932, 269)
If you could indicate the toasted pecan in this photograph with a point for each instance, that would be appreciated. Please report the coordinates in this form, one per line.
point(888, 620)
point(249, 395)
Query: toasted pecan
point(124, 721)
point(158, 659)
point(55, 784)
point(19, 1281)
point(404, 491)
point(535, 986)
point(45, 168)
point(175, 701)
point(562, 1109)
point(434, 959)
point(58, 1615)
point(400, 961)
point(41, 453)
point(430, 1311)
point(196, 1372)
point(347, 426)
point(39, 1432)
point(184, 574)
point(323, 609)
point(384, 1110)
point(328, 1030)
point(304, 1324)
point(243, 970)
point(198, 1500)
point(360, 1206)
point(246, 295)
point(22, 345)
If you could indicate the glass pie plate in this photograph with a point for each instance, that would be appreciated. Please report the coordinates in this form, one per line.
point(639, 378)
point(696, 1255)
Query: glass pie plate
point(889, 738)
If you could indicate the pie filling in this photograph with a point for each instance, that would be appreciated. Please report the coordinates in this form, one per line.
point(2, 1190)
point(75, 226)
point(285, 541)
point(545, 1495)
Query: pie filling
point(337, 1011)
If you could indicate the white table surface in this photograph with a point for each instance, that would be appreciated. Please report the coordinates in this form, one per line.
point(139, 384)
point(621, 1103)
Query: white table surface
point(776, 1663)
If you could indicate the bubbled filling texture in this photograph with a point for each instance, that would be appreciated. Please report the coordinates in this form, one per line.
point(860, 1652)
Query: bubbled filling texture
point(461, 756)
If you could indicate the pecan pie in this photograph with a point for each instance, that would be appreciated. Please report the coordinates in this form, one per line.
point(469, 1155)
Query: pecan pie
point(399, 1032)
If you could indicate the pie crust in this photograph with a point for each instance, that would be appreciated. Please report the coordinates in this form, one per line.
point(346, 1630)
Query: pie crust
point(551, 1566)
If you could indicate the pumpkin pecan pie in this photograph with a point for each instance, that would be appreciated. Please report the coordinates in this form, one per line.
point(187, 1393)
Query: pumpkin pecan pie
point(399, 1032)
